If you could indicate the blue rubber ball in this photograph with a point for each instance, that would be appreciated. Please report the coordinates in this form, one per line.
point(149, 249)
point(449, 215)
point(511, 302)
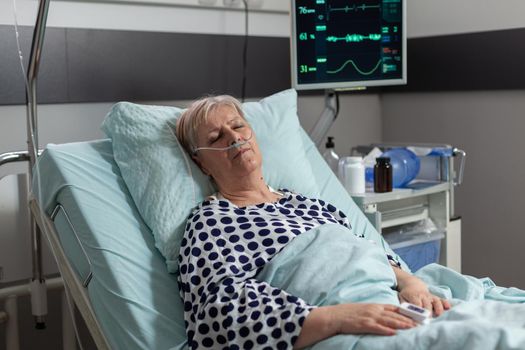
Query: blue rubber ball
point(405, 166)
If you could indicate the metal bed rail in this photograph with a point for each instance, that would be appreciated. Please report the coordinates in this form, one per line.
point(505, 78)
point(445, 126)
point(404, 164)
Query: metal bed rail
point(9, 163)
point(59, 208)
point(72, 282)
point(15, 156)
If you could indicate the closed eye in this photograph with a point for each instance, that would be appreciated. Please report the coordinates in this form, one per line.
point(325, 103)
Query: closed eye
point(215, 138)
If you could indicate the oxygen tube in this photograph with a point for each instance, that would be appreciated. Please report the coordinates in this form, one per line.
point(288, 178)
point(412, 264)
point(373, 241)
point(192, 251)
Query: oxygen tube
point(236, 144)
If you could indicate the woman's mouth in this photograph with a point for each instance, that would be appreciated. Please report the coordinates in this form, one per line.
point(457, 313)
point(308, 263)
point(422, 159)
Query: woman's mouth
point(241, 151)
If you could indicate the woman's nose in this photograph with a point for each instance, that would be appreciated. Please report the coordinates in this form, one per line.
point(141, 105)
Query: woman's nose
point(234, 137)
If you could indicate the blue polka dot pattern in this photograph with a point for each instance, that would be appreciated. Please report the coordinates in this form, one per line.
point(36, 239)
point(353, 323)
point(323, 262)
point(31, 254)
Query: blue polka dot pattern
point(223, 249)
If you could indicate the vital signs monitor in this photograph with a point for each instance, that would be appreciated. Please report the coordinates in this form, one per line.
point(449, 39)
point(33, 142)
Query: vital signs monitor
point(339, 44)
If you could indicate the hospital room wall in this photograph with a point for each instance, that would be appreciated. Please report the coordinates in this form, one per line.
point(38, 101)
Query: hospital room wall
point(487, 124)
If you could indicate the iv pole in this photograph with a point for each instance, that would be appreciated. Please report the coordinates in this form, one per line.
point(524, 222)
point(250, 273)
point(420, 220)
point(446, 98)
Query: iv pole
point(38, 286)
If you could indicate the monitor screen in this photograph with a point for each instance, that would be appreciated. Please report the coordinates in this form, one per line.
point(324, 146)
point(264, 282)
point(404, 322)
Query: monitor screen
point(339, 44)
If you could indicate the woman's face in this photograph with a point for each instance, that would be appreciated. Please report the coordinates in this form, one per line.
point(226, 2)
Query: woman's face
point(223, 128)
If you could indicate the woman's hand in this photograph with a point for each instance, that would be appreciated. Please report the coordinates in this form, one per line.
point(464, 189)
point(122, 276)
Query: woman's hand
point(415, 291)
point(326, 321)
point(368, 319)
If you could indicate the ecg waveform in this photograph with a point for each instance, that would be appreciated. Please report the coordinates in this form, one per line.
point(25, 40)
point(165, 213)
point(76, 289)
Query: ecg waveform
point(355, 67)
point(303, 10)
point(354, 38)
point(354, 8)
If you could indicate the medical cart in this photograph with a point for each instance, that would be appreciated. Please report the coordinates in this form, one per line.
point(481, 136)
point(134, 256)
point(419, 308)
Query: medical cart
point(428, 198)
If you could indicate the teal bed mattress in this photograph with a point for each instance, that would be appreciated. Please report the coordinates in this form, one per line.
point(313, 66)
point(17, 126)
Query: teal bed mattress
point(135, 299)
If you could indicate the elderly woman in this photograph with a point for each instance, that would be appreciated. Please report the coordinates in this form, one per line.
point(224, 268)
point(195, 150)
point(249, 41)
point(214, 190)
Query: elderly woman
point(232, 235)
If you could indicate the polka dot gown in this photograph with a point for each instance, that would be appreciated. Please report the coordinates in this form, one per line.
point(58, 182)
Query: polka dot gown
point(223, 249)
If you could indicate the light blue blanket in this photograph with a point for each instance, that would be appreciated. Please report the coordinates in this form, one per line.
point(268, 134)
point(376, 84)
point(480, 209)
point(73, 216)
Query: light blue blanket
point(329, 265)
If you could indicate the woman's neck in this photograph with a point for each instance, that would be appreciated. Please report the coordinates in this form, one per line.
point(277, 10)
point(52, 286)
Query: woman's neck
point(244, 193)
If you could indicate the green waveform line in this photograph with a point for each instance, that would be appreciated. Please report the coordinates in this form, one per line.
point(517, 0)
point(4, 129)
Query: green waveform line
point(356, 68)
point(354, 38)
point(355, 8)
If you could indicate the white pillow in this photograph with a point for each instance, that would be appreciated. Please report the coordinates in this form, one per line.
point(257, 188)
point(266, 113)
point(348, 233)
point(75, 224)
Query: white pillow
point(165, 184)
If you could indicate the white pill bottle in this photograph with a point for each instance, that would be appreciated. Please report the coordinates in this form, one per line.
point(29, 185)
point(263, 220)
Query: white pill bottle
point(352, 174)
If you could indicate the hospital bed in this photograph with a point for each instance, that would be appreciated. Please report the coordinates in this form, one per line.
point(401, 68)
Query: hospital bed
point(120, 283)
point(106, 252)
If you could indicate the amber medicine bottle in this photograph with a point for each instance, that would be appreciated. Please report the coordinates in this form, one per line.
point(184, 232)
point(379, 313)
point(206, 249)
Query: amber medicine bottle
point(383, 175)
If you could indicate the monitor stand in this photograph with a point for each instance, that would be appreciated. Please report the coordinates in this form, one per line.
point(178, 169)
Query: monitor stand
point(326, 119)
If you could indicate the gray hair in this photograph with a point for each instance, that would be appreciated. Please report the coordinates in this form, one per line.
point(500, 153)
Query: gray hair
point(197, 114)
